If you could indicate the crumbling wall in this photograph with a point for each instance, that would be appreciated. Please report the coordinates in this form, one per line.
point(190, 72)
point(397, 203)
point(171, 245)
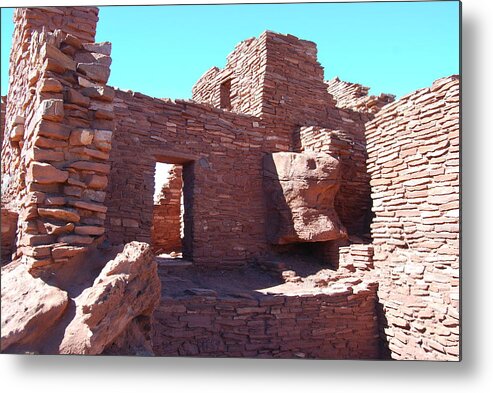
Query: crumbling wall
point(24, 74)
point(167, 222)
point(339, 323)
point(413, 148)
point(59, 122)
point(355, 96)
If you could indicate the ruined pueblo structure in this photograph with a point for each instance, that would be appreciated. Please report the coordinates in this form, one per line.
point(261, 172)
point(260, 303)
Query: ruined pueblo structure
point(300, 218)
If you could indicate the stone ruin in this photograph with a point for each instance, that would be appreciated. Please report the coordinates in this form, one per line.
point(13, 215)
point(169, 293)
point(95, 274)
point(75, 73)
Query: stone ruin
point(312, 220)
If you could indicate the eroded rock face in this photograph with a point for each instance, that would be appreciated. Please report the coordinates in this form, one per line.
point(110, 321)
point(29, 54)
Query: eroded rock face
point(30, 307)
point(300, 189)
point(110, 316)
point(127, 288)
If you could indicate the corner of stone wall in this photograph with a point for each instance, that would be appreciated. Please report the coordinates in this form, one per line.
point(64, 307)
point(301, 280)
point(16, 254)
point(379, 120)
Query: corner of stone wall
point(65, 136)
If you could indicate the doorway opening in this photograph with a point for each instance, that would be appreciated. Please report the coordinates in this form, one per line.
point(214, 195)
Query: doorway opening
point(168, 217)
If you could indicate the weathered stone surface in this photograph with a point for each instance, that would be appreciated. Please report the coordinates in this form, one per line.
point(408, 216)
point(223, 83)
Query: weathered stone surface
point(95, 71)
point(89, 230)
point(96, 207)
point(93, 57)
point(52, 129)
point(53, 229)
point(59, 252)
point(64, 214)
point(44, 173)
point(102, 139)
point(62, 61)
point(127, 288)
point(97, 182)
point(76, 239)
point(300, 189)
point(81, 137)
point(91, 166)
point(51, 110)
point(103, 93)
point(74, 97)
point(17, 133)
point(51, 85)
point(103, 48)
point(30, 307)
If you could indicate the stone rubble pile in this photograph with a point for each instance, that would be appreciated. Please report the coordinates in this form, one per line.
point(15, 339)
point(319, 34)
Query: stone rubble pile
point(118, 304)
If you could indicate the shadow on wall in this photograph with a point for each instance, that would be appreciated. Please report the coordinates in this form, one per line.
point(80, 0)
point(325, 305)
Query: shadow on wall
point(279, 219)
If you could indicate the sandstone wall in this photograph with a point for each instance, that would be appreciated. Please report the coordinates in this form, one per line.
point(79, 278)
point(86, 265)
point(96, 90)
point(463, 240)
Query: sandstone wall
point(413, 148)
point(59, 122)
point(355, 96)
point(223, 197)
point(167, 222)
point(239, 86)
point(275, 77)
point(24, 73)
point(334, 325)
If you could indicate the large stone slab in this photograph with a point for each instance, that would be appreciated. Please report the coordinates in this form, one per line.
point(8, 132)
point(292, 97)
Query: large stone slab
point(30, 307)
point(300, 189)
point(124, 294)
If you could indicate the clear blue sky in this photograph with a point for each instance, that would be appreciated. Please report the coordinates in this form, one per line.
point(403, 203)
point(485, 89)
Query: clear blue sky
point(162, 50)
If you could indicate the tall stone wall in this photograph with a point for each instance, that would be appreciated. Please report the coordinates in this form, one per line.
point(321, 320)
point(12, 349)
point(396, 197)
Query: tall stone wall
point(167, 222)
point(413, 148)
point(339, 323)
point(24, 73)
point(59, 122)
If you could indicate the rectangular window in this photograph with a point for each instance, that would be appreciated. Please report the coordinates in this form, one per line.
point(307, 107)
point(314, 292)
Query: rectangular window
point(225, 92)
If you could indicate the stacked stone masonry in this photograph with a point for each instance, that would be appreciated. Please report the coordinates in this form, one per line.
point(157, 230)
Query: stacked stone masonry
point(413, 148)
point(59, 135)
point(339, 323)
point(78, 167)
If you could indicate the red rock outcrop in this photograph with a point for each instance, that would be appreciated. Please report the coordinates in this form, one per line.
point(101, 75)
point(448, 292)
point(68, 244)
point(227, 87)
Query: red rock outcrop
point(127, 288)
point(113, 312)
point(300, 189)
point(30, 307)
